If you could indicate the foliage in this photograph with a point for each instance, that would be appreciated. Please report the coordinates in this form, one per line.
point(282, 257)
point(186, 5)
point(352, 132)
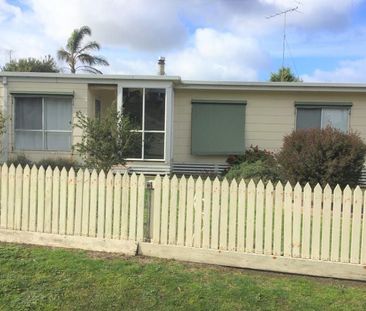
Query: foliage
point(59, 162)
point(2, 124)
point(30, 64)
point(253, 154)
point(78, 56)
point(258, 170)
point(322, 156)
point(40, 278)
point(284, 74)
point(107, 140)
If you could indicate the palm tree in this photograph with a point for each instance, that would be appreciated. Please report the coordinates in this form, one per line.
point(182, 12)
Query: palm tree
point(77, 55)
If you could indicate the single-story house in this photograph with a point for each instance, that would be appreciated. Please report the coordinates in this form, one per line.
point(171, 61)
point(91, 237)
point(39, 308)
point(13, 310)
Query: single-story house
point(184, 126)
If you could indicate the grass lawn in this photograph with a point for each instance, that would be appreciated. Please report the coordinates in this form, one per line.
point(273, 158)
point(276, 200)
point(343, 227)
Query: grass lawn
point(36, 278)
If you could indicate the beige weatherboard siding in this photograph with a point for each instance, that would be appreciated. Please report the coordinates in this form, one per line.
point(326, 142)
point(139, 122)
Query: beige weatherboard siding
point(270, 111)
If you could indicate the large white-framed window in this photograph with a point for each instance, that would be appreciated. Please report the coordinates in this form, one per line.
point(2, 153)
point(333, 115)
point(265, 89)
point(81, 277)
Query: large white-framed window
point(321, 116)
point(42, 122)
point(147, 108)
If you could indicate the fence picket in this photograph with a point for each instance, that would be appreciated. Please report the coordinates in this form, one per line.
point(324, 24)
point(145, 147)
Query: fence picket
point(363, 238)
point(316, 221)
point(140, 208)
point(79, 201)
point(133, 207)
point(101, 205)
point(346, 224)
point(268, 230)
point(224, 214)
point(48, 201)
point(109, 205)
point(336, 223)
point(117, 206)
point(25, 199)
point(4, 196)
point(241, 216)
point(86, 204)
point(71, 185)
point(249, 243)
point(33, 199)
point(157, 208)
point(55, 200)
point(11, 197)
point(233, 206)
point(198, 213)
point(18, 197)
point(287, 221)
point(277, 234)
point(125, 205)
point(356, 225)
point(306, 225)
point(206, 213)
point(173, 210)
point(63, 197)
point(259, 214)
point(189, 222)
point(296, 228)
point(182, 210)
point(327, 208)
point(165, 210)
point(93, 204)
point(215, 222)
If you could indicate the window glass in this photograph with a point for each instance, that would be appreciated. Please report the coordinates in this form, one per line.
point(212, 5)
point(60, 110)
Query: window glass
point(154, 146)
point(57, 141)
point(58, 113)
point(308, 118)
point(28, 113)
point(135, 147)
point(335, 117)
point(154, 109)
point(32, 140)
point(132, 105)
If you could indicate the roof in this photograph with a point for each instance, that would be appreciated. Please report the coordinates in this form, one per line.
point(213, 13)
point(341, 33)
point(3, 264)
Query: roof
point(203, 85)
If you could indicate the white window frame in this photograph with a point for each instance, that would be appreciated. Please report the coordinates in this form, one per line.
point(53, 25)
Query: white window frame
point(43, 130)
point(167, 85)
point(325, 106)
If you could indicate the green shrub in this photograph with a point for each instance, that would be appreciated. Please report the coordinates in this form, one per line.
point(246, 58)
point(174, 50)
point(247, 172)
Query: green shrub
point(322, 156)
point(19, 159)
point(254, 170)
point(251, 155)
point(59, 162)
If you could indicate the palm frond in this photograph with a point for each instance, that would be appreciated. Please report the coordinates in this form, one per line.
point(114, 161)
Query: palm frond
point(62, 54)
point(92, 45)
point(92, 60)
point(73, 44)
point(89, 69)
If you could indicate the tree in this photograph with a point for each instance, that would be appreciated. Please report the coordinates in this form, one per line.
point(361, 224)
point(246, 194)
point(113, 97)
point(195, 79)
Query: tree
point(30, 64)
point(77, 56)
point(284, 74)
point(106, 141)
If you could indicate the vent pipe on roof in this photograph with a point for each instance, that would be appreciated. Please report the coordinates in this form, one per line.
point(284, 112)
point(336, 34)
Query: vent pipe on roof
point(161, 66)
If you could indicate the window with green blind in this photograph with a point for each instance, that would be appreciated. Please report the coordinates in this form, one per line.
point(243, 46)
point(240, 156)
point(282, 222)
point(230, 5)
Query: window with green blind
point(218, 128)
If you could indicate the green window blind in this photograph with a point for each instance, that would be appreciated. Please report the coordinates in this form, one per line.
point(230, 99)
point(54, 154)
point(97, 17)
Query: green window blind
point(218, 128)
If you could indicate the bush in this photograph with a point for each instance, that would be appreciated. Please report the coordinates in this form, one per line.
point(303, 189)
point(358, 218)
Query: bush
point(59, 162)
point(322, 156)
point(251, 155)
point(106, 141)
point(19, 159)
point(254, 170)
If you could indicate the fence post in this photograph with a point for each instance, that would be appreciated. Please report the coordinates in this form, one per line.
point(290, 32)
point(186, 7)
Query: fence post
point(150, 210)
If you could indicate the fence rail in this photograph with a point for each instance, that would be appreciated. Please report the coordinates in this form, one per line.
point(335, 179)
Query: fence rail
point(241, 224)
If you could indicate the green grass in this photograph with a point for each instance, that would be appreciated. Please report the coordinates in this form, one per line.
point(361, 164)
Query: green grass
point(36, 278)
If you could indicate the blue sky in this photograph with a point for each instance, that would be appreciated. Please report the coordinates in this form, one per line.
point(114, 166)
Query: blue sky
point(201, 39)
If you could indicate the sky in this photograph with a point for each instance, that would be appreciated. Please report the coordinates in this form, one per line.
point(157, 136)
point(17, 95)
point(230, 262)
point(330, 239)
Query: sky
point(230, 40)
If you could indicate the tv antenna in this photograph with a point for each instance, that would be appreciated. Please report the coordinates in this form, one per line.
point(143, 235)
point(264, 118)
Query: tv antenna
point(284, 13)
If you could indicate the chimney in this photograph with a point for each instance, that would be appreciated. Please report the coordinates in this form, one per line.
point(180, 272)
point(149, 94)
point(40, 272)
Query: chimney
point(161, 66)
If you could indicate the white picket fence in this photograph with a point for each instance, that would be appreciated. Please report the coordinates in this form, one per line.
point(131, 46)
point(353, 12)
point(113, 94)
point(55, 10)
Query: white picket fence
point(298, 230)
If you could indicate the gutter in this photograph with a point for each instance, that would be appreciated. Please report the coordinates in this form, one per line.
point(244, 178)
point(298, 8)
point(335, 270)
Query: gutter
point(5, 136)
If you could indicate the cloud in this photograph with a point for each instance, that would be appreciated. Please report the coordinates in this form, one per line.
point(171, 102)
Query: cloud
point(345, 71)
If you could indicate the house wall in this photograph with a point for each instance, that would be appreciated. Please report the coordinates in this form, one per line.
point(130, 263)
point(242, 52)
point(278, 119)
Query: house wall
point(49, 85)
point(269, 117)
